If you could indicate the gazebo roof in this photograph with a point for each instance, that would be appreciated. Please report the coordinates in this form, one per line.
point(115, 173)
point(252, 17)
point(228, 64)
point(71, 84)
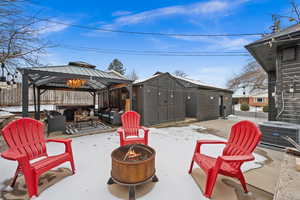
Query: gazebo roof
point(55, 77)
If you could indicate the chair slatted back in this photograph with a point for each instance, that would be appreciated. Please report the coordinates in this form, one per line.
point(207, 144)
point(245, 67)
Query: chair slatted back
point(243, 139)
point(131, 123)
point(26, 136)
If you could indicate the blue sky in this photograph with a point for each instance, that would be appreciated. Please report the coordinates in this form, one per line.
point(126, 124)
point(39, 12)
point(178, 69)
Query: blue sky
point(168, 16)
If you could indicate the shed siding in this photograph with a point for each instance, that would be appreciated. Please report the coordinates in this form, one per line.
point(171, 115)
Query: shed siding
point(192, 100)
point(163, 100)
point(208, 104)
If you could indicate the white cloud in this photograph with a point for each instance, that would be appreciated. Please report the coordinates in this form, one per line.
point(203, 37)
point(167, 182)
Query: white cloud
point(204, 8)
point(51, 27)
point(226, 43)
point(205, 75)
point(121, 13)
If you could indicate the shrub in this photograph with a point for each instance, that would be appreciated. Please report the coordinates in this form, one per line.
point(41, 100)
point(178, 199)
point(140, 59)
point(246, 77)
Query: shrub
point(266, 108)
point(244, 107)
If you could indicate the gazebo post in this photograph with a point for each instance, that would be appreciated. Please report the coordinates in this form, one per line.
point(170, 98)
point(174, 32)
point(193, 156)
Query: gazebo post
point(130, 95)
point(34, 102)
point(25, 89)
point(108, 102)
point(38, 103)
point(94, 101)
point(98, 93)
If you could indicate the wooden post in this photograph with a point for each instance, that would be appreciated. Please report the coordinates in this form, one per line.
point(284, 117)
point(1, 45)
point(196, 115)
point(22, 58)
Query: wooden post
point(34, 102)
point(25, 89)
point(99, 95)
point(94, 101)
point(38, 103)
point(108, 102)
point(130, 95)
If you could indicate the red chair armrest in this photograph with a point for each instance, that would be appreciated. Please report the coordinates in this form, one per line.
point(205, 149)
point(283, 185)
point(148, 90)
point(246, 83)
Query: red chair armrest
point(66, 142)
point(60, 140)
point(200, 142)
point(211, 142)
point(11, 155)
point(120, 130)
point(145, 129)
point(242, 158)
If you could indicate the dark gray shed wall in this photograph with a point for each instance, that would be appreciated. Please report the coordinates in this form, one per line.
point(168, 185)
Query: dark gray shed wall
point(163, 100)
point(191, 102)
point(208, 104)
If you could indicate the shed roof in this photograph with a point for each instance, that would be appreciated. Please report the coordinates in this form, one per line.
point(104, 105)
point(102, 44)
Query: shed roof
point(186, 82)
point(56, 76)
point(264, 50)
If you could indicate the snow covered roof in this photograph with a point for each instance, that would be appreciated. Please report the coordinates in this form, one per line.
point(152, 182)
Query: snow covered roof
point(188, 82)
point(146, 79)
point(251, 95)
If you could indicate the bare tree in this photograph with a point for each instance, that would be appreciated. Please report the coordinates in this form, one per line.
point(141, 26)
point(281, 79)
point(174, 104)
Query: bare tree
point(294, 16)
point(252, 77)
point(133, 75)
point(180, 73)
point(20, 41)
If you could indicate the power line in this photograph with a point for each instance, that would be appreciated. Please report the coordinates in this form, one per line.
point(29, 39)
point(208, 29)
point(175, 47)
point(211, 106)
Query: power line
point(148, 33)
point(154, 51)
point(151, 53)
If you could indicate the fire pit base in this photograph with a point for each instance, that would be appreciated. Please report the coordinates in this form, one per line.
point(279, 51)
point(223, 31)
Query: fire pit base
point(131, 192)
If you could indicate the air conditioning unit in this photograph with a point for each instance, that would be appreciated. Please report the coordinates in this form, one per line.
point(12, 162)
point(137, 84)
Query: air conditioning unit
point(272, 132)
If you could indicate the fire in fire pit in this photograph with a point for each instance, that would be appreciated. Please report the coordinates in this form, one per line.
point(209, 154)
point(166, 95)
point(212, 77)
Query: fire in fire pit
point(133, 165)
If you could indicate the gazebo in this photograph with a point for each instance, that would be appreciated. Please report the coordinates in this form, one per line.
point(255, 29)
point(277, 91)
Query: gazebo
point(76, 76)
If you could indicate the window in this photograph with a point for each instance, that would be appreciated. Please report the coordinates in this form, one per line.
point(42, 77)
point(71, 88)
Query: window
point(289, 54)
point(259, 100)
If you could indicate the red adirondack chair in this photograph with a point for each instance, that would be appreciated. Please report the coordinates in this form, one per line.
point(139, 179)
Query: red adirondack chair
point(243, 139)
point(26, 142)
point(129, 132)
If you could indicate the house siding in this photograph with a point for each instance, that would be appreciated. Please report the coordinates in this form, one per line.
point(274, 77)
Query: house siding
point(288, 103)
point(253, 101)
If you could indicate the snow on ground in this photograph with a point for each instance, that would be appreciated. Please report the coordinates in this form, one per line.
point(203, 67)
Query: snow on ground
point(174, 147)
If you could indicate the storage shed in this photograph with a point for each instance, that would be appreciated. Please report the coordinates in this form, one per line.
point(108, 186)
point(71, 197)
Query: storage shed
point(159, 99)
point(205, 102)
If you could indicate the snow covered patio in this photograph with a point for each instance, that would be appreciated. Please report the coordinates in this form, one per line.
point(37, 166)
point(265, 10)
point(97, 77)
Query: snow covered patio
point(174, 149)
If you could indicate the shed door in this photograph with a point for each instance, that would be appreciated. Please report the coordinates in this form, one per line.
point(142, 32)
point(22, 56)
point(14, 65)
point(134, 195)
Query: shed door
point(150, 106)
point(179, 104)
point(163, 105)
point(171, 105)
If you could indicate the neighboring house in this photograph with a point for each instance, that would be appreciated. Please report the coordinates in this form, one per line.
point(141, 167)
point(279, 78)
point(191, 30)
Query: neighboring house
point(259, 100)
point(255, 100)
point(240, 99)
point(279, 55)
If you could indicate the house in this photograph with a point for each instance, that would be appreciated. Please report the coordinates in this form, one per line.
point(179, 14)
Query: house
point(279, 55)
point(259, 100)
point(255, 100)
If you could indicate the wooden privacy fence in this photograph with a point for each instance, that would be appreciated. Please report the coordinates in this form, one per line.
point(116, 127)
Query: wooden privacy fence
point(13, 97)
